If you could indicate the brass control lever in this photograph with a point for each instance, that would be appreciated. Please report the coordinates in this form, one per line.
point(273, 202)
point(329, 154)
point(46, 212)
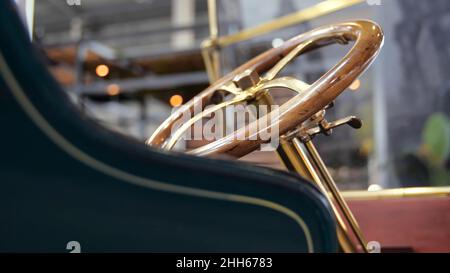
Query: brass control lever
point(326, 127)
point(317, 124)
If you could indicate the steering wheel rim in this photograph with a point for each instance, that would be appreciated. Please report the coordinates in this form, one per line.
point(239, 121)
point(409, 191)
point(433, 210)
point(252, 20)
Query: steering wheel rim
point(368, 38)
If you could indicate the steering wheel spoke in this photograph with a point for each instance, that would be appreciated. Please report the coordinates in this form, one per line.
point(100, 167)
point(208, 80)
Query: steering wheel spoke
point(206, 113)
point(276, 69)
point(290, 83)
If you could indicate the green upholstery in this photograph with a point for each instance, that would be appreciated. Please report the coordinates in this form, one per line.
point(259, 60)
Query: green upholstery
point(64, 178)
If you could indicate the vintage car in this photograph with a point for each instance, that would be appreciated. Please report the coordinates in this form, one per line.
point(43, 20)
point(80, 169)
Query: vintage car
point(66, 179)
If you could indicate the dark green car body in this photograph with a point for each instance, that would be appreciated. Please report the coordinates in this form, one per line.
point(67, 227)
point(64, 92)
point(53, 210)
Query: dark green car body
point(65, 178)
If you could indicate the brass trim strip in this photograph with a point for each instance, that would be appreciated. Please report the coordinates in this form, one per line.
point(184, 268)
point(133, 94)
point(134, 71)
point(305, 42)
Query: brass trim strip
point(397, 193)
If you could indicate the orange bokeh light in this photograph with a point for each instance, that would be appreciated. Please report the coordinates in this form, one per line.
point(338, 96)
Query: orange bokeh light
point(113, 89)
point(102, 70)
point(176, 100)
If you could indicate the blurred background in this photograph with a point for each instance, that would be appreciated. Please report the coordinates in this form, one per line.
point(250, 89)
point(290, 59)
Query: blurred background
point(128, 63)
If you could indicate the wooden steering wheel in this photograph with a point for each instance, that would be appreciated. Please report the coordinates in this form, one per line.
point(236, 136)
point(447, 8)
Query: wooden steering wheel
point(245, 84)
